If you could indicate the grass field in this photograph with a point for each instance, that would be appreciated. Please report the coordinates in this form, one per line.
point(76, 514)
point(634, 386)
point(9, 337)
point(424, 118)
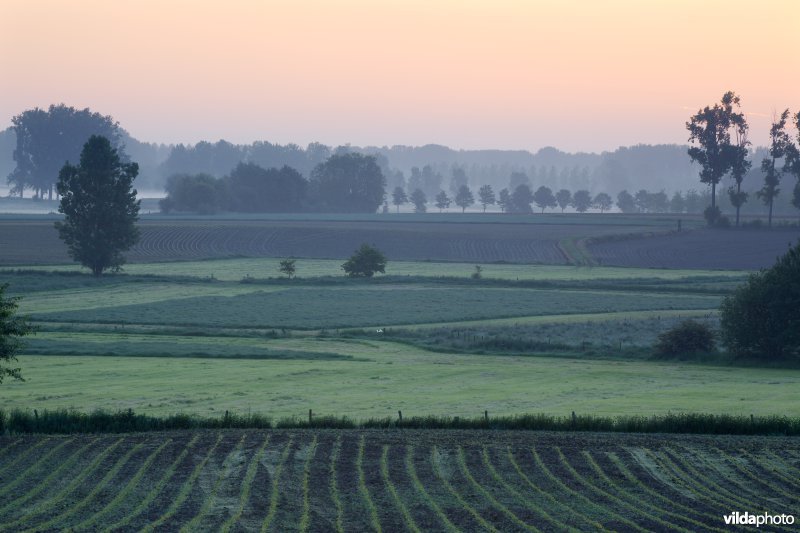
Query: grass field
point(409, 480)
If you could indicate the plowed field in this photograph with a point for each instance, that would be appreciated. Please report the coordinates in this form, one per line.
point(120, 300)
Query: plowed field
point(328, 480)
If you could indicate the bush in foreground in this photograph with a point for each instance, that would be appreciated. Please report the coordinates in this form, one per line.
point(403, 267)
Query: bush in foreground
point(687, 338)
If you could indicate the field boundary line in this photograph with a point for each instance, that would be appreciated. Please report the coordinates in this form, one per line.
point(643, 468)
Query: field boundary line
point(276, 476)
point(334, 489)
point(129, 486)
point(305, 518)
point(244, 491)
point(88, 498)
point(410, 524)
point(362, 487)
point(225, 469)
point(519, 496)
point(453, 492)
point(462, 463)
point(412, 473)
point(185, 489)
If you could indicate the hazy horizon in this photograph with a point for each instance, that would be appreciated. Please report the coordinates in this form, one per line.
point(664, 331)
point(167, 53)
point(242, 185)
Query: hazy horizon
point(578, 76)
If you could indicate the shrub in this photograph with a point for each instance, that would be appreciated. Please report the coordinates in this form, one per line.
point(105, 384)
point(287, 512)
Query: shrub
point(688, 337)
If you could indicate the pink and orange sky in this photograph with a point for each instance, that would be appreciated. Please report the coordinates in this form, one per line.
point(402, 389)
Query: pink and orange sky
point(578, 75)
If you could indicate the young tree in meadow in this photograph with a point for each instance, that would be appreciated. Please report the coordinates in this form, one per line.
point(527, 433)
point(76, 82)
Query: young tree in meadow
point(564, 199)
point(486, 196)
point(544, 198)
point(399, 197)
point(287, 266)
point(419, 200)
point(778, 146)
point(521, 199)
point(603, 202)
point(582, 200)
point(504, 200)
point(365, 262)
point(12, 329)
point(626, 202)
point(99, 206)
point(464, 198)
point(442, 201)
point(709, 128)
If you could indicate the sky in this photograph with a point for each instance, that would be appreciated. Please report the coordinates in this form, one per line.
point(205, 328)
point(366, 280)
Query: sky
point(502, 74)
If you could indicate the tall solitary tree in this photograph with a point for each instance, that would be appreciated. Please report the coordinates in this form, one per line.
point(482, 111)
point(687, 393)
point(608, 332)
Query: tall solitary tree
point(99, 206)
point(778, 147)
point(486, 196)
point(464, 198)
point(710, 129)
point(399, 197)
point(740, 165)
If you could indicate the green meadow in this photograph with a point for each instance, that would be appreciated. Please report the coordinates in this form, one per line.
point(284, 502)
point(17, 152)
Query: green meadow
point(209, 336)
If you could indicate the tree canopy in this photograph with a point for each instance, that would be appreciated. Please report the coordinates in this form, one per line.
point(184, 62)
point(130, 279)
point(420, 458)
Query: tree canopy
point(365, 262)
point(486, 196)
point(349, 183)
point(464, 198)
point(99, 206)
point(12, 329)
point(544, 198)
point(762, 317)
point(582, 201)
point(46, 139)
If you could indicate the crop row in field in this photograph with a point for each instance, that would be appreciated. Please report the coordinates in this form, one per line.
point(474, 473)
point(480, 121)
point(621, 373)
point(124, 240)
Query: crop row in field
point(388, 481)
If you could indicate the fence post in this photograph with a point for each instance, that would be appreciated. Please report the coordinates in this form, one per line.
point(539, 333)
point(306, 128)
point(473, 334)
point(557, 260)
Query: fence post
point(400, 416)
point(486, 416)
point(310, 415)
point(574, 420)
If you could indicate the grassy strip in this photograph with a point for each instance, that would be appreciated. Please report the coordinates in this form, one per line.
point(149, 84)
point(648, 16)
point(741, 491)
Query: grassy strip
point(247, 483)
point(94, 492)
point(412, 473)
point(185, 489)
point(195, 522)
point(555, 501)
point(123, 494)
point(462, 463)
point(363, 490)
point(407, 518)
point(73, 421)
point(273, 497)
point(337, 501)
point(531, 506)
point(156, 490)
point(305, 519)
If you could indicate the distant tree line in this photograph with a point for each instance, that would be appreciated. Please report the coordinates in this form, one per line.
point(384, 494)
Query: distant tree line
point(350, 183)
